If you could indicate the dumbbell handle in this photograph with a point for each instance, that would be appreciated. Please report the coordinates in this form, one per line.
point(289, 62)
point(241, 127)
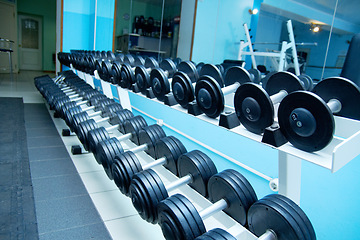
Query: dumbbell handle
point(268, 235)
point(278, 97)
point(334, 105)
point(124, 137)
point(216, 207)
point(94, 114)
point(112, 127)
point(103, 120)
point(231, 88)
point(88, 108)
point(140, 148)
point(179, 182)
point(157, 162)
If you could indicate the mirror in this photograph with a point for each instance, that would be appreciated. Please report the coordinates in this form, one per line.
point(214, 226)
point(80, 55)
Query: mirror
point(148, 27)
point(345, 25)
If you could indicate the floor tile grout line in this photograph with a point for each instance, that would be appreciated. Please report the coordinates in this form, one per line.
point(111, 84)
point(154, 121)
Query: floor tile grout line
point(61, 198)
point(70, 228)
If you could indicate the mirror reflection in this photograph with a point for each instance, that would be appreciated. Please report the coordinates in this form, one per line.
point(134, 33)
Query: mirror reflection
point(151, 28)
point(148, 27)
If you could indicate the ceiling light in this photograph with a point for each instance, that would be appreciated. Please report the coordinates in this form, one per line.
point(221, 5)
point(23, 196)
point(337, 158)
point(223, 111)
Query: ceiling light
point(253, 11)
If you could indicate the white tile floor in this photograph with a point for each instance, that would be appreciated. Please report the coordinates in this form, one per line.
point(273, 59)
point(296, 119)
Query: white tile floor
point(115, 209)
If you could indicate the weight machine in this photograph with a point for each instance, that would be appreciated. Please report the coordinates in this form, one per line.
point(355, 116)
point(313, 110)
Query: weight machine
point(279, 59)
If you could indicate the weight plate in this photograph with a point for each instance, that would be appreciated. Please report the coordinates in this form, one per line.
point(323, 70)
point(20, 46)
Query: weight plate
point(182, 89)
point(115, 149)
point(253, 107)
point(216, 234)
point(242, 182)
point(149, 135)
point(345, 91)
point(159, 83)
point(134, 125)
point(209, 96)
point(139, 60)
point(116, 72)
point(283, 81)
point(296, 212)
point(129, 59)
point(199, 66)
point(120, 117)
point(212, 71)
point(151, 62)
point(142, 77)
point(146, 191)
point(171, 148)
point(307, 82)
point(306, 121)
point(192, 163)
point(127, 76)
point(124, 167)
point(83, 129)
point(255, 75)
point(221, 186)
point(236, 74)
point(206, 163)
point(169, 66)
point(179, 218)
point(267, 214)
point(189, 69)
point(95, 136)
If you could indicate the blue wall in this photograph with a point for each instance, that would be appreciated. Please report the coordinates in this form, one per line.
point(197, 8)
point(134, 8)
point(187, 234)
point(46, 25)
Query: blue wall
point(79, 22)
point(219, 29)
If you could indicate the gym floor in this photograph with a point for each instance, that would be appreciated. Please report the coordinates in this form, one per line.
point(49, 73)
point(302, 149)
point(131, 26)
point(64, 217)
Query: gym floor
point(73, 197)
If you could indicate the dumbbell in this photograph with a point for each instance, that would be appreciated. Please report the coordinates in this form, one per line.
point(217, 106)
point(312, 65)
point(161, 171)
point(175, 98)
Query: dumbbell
point(142, 74)
point(74, 116)
point(210, 93)
point(63, 104)
point(130, 126)
point(127, 71)
point(306, 118)
point(84, 127)
point(228, 190)
point(125, 166)
point(147, 189)
point(183, 85)
point(274, 217)
point(254, 105)
point(110, 148)
point(161, 78)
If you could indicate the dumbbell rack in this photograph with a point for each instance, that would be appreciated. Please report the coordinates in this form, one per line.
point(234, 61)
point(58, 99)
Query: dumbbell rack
point(120, 206)
point(342, 149)
point(280, 56)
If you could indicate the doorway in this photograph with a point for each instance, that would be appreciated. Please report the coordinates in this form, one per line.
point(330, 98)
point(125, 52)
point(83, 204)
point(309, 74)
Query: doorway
point(30, 42)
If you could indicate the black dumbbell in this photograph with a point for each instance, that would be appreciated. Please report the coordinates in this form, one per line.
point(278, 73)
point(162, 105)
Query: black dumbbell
point(210, 93)
point(74, 116)
point(306, 119)
point(84, 127)
point(228, 190)
point(167, 152)
point(63, 105)
point(142, 74)
point(110, 148)
point(254, 105)
point(129, 125)
point(128, 70)
point(147, 189)
point(183, 85)
point(277, 215)
point(273, 217)
point(161, 77)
